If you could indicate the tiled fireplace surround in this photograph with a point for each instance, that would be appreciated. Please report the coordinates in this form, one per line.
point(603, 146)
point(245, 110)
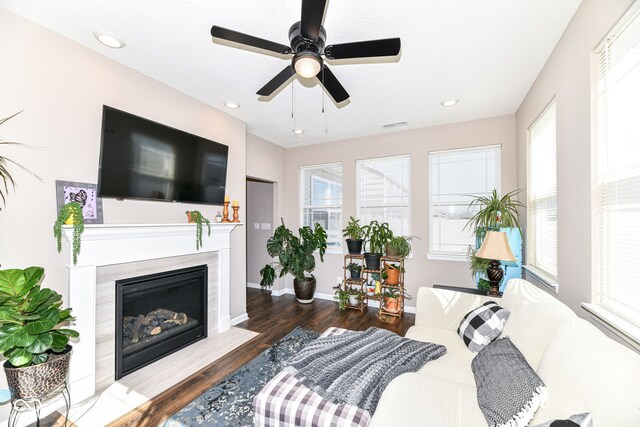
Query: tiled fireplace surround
point(114, 252)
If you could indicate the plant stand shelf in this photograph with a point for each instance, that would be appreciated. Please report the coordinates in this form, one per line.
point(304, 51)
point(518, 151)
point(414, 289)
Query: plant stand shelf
point(367, 278)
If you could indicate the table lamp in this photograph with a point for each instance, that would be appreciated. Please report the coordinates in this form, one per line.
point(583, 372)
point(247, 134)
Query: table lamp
point(496, 248)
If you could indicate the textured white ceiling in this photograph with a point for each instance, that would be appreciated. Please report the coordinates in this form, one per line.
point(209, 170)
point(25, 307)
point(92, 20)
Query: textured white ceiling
point(486, 53)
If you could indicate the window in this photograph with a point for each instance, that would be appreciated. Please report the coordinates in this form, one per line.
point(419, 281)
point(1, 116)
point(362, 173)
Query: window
point(321, 196)
point(384, 191)
point(542, 218)
point(456, 177)
point(616, 177)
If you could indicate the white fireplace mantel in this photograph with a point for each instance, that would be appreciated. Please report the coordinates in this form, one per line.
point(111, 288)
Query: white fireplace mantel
point(108, 244)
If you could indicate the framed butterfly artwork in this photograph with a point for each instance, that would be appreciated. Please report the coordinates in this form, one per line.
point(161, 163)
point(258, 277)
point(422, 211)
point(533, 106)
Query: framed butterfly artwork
point(83, 193)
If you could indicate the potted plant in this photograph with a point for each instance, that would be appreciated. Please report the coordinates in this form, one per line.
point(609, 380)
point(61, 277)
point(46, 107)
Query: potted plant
point(5, 175)
point(399, 246)
point(377, 236)
point(296, 257)
point(354, 296)
point(354, 269)
point(391, 273)
point(195, 217)
point(341, 296)
point(35, 347)
point(495, 212)
point(70, 214)
point(355, 234)
point(392, 299)
point(478, 268)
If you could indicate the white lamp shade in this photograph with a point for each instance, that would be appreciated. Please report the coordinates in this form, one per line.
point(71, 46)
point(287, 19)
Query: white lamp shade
point(496, 246)
point(307, 66)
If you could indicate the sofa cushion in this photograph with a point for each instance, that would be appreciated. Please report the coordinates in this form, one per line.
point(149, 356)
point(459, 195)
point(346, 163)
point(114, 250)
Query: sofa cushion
point(585, 371)
point(482, 325)
point(414, 400)
point(535, 317)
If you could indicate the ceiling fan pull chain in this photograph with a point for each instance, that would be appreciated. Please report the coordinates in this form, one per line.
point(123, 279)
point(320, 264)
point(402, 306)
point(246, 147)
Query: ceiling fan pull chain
point(292, 84)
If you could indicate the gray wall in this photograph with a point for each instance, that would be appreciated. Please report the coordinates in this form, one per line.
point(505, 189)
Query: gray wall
point(566, 75)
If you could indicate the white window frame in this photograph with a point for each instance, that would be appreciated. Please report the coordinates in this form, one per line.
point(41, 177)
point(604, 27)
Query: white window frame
point(540, 271)
point(358, 198)
point(337, 247)
point(599, 311)
point(454, 256)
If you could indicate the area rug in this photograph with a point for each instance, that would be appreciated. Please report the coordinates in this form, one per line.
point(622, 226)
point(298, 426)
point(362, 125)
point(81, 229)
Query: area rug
point(230, 402)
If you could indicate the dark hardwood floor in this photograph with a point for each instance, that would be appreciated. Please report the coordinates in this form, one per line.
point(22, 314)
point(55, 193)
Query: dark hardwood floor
point(273, 318)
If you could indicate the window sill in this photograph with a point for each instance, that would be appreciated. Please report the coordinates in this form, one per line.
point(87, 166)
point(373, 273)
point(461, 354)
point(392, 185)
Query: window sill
point(446, 257)
point(627, 331)
point(543, 277)
point(332, 251)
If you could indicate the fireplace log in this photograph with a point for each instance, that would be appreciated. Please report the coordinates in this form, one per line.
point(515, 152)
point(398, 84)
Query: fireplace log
point(135, 330)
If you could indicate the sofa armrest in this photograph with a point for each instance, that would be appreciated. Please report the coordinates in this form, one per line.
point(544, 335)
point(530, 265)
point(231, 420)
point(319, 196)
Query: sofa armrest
point(444, 309)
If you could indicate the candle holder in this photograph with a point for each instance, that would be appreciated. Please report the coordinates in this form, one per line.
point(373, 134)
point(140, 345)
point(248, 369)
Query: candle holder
point(235, 214)
point(225, 212)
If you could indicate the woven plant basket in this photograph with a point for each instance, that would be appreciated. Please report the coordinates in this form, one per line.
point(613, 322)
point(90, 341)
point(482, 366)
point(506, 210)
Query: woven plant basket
point(38, 380)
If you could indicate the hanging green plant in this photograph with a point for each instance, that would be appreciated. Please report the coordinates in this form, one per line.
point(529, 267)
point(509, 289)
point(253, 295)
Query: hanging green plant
point(5, 174)
point(70, 214)
point(197, 218)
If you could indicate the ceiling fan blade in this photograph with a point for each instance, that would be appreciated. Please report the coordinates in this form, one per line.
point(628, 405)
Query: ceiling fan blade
point(311, 20)
point(366, 49)
point(234, 36)
point(333, 86)
point(277, 81)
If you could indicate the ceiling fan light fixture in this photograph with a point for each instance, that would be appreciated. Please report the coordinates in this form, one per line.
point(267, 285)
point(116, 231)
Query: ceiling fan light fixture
point(449, 102)
point(109, 40)
point(307, 64)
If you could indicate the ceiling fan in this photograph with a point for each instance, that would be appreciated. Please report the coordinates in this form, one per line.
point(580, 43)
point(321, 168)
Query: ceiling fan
point(307, 47)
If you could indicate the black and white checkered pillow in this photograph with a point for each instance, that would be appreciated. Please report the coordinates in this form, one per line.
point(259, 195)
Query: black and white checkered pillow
point(482, 325)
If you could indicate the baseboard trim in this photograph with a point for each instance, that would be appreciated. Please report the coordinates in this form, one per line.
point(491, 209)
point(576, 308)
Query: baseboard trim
point(319, 295)
point(239, 319)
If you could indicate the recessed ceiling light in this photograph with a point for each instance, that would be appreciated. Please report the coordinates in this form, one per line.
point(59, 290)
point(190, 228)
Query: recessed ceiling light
point(231, 104)
point(109, 40)
point(298, 131)
point(449, 102)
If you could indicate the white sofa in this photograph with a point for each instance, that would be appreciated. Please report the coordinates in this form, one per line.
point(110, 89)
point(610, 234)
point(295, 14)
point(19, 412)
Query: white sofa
point(584, 370)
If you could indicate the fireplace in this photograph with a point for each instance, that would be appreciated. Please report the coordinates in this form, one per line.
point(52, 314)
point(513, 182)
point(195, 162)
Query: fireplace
point(157, 315)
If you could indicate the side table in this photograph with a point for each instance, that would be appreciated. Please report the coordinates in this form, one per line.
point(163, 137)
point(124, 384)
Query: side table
point(18, 406)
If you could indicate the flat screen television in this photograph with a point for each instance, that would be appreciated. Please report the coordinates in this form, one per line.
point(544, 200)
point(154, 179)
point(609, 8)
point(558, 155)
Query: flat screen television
point(142, 159)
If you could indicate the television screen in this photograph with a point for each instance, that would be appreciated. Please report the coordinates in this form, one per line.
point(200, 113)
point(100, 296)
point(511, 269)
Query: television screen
point(142, 159)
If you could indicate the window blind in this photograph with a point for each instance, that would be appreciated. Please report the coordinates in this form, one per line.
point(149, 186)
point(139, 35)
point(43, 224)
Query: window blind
point(616, 174)
point(542, 217)
point(456, 177)
point(383, 192)
point(321, 197)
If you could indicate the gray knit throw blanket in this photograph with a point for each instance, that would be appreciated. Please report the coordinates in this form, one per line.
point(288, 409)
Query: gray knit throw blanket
point(355, 367)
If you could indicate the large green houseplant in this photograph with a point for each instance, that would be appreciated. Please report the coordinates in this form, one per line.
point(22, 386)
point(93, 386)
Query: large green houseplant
point(296, 257)
point(495, 212)
point(31, 338)
point(5, 174)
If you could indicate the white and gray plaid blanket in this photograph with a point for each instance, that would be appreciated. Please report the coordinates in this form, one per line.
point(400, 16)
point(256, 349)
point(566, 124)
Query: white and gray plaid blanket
point(355, 367)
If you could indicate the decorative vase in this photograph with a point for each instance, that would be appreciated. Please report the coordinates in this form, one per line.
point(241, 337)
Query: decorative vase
point(354, 246)
point(372, 260)
point(304, 289)
point(37, 380)
point(353, 300)
point(392, 304)
point(393, 276)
